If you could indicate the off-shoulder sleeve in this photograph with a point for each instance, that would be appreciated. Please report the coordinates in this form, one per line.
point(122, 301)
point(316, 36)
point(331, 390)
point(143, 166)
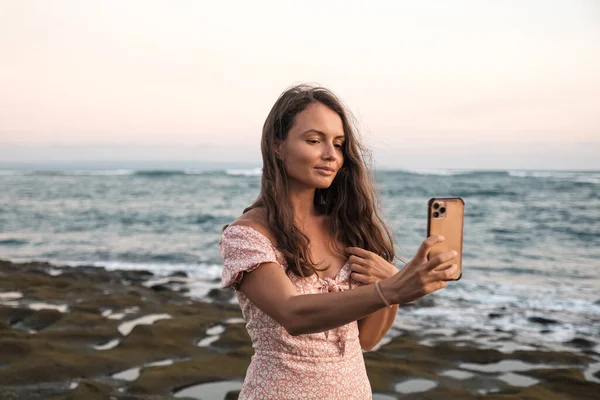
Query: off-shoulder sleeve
point(243, 249)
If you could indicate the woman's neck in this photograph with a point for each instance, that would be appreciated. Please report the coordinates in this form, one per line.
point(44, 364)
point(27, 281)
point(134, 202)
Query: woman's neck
point(303, 205)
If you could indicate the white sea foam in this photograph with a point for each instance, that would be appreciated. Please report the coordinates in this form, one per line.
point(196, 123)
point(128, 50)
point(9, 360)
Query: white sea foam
point(439, 172)
point(194, 171)
point(200, 288)
point(245, 172)
point(584, 177)
point(109, 172)
point(590, 371)
point(14, 172)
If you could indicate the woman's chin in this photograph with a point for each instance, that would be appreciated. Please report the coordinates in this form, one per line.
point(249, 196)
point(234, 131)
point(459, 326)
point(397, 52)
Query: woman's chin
point(324, 185)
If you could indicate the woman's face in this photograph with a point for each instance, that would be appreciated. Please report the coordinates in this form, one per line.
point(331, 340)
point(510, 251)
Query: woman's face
point(312, 152)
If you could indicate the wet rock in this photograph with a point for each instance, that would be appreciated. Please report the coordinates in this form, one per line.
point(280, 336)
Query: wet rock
point(581, 343)
point(160, 287)
point(179, 274)
point(90, 390)
point(137, 275)
point(40, 320)
point(494, 315)
point(14, 349)
point(42, 365)
point(234, 395)
point(542, 320)
point(221, 295)
point(235, 337)
point(11, 316)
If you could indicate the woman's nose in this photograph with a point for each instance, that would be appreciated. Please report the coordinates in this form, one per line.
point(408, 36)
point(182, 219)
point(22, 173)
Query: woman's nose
point(329, 152)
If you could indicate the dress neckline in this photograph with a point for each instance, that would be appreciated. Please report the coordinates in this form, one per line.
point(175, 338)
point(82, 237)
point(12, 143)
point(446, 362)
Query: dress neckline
point(256, 232)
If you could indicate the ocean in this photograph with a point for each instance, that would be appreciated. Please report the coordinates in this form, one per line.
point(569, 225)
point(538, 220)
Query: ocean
point(531, 268)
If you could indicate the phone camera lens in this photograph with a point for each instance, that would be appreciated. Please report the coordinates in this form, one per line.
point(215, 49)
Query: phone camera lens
point(443, 210)
point(436, 214)
point(436, 206)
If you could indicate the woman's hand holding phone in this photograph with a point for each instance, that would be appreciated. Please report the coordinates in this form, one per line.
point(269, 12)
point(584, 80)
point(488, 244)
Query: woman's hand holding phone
point(420, 276)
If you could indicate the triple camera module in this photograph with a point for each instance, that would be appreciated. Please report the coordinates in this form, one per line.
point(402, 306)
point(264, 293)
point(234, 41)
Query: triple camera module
point(439, 209)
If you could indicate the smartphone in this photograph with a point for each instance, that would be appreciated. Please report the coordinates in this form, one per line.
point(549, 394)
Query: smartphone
point(445, 216)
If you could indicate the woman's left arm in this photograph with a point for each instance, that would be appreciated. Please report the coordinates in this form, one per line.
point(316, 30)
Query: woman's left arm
point(367, 268)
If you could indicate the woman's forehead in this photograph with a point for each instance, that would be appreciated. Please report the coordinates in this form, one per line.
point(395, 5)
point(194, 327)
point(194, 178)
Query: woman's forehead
point(318, 119)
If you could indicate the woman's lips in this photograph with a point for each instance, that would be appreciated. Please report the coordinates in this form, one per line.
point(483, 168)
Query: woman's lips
point(325, 170)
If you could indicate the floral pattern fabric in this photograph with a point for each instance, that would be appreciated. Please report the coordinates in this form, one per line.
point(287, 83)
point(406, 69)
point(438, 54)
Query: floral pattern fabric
point(325, 365)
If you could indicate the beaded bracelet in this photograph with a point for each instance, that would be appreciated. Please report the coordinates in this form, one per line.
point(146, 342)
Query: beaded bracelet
point(378, 288)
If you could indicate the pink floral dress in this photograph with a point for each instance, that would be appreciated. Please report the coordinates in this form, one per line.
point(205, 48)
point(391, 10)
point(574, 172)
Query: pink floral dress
point(326, 365)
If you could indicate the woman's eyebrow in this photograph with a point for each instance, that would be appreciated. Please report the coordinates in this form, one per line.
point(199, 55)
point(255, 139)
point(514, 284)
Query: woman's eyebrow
point(322, 134)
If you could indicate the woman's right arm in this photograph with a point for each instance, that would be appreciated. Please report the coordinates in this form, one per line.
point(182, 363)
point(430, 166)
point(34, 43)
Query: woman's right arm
point(269, 288)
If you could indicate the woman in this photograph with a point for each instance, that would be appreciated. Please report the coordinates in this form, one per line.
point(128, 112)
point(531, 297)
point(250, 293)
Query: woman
point(311, 258)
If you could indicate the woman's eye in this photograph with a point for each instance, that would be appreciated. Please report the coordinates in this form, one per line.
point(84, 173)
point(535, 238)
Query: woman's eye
point(313, 141)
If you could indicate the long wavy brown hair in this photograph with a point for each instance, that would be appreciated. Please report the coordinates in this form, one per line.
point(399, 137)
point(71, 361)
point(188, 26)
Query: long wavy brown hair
point(350, 201)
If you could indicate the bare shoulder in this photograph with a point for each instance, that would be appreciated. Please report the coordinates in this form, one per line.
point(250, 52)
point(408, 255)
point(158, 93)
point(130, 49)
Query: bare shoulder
point(257, 220)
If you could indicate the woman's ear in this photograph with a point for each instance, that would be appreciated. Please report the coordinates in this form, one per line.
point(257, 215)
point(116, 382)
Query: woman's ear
point(277, 148)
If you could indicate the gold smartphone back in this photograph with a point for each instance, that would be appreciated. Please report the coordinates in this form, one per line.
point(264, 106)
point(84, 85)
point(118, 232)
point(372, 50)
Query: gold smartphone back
point(445, 217)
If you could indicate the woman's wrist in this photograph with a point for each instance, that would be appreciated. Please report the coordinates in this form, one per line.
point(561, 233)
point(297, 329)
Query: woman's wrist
point(381, 296)
point(388, 291)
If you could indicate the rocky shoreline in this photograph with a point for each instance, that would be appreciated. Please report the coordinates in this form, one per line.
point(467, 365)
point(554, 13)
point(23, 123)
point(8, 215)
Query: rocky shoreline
point(88, 333)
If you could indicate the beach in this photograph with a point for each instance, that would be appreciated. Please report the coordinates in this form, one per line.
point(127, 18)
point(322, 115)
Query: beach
point(110, 286)
point(88, 333)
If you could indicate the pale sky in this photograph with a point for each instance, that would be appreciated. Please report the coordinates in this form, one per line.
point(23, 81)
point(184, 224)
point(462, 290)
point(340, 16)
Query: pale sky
point(438, 84)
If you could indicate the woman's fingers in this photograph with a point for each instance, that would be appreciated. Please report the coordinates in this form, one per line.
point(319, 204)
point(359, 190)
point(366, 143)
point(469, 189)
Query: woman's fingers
point(420, 277)
point(359, 269)
point(440, 259)
point(363, 274)
point(426, 246)
point(357, 260)
point(357, 251)
point(447, 274)
point(362, 278)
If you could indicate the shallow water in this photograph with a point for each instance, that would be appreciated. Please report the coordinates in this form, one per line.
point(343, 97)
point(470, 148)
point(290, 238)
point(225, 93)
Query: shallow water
point(126, 327)
point(415, 386)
